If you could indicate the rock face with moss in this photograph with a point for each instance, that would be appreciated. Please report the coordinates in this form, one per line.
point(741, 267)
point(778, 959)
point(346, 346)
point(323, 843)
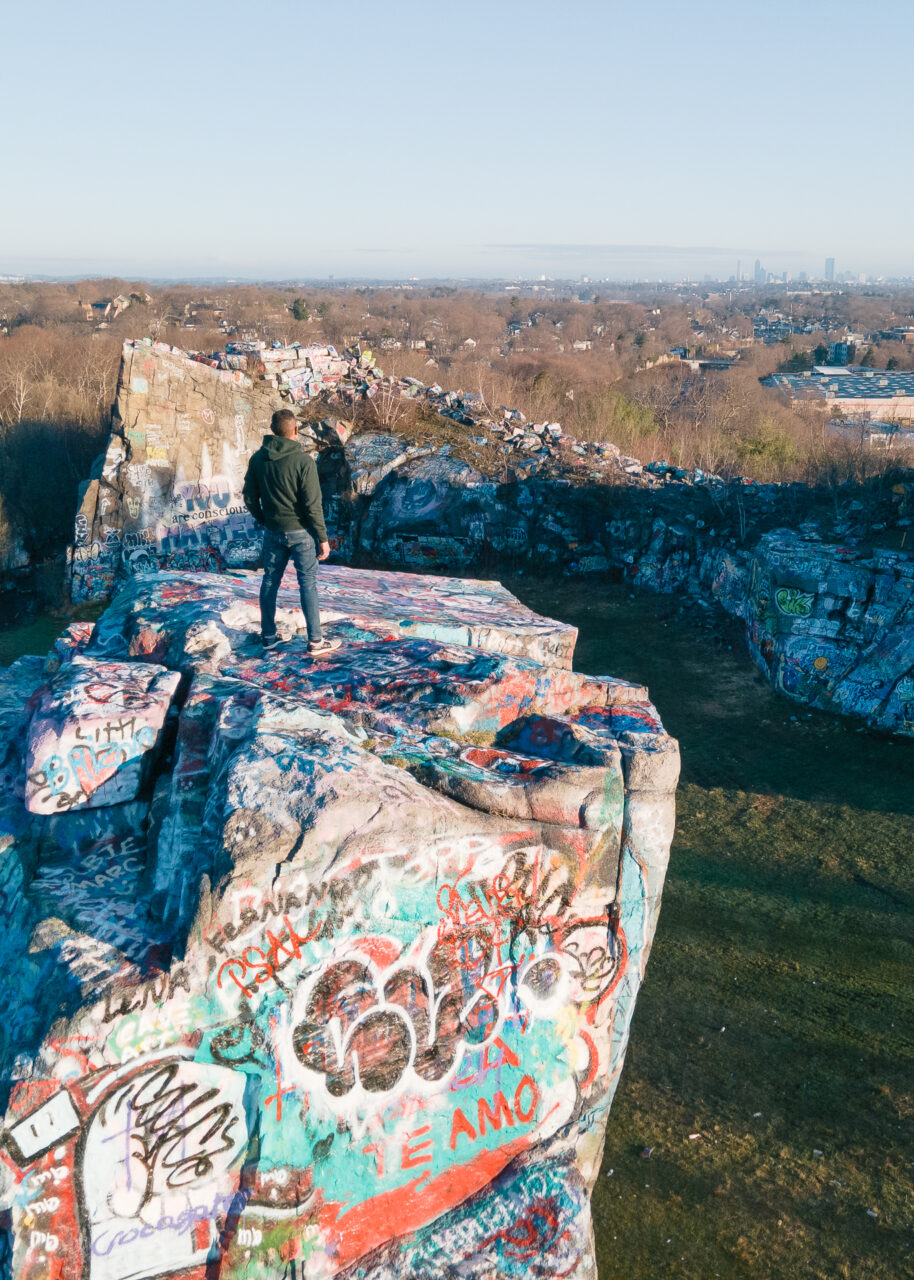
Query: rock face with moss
point(345, 987)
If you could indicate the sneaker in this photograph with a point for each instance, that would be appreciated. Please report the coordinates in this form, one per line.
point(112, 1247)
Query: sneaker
point(273, 642)
point(317, 647)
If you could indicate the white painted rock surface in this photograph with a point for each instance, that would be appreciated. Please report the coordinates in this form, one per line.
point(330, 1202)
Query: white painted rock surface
point(92, 735)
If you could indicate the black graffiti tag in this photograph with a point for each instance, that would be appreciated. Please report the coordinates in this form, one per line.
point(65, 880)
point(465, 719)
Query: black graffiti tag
point(176, 1127)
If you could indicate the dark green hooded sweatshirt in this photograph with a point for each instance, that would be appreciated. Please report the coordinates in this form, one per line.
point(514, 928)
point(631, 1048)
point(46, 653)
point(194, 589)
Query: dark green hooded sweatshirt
point(281, 488)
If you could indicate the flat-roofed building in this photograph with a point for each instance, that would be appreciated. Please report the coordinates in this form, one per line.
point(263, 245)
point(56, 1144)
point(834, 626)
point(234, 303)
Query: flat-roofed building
point(859, 393)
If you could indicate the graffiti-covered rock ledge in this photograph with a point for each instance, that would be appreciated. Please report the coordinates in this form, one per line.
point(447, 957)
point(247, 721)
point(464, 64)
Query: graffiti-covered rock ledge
point(167, 495)
point(344, 988)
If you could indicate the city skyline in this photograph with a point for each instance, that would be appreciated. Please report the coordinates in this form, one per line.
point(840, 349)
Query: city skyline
point(756, 273)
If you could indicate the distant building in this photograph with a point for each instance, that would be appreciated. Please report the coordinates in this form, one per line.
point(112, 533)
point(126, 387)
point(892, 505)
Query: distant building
point(839, 353)
point(709, 364)
point(858, 393)
point(829, 269)
point(878, 435)
point(759, 275)
point(899, 333)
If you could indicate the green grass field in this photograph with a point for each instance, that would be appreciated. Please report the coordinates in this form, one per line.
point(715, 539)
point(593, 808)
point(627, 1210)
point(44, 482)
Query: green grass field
point(771, 1064)
point(38, 633)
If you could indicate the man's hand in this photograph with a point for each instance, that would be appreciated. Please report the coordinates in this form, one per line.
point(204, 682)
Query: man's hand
point(324, 551)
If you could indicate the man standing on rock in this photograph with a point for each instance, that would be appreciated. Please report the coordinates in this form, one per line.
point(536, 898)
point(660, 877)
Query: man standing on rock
point(282, 493)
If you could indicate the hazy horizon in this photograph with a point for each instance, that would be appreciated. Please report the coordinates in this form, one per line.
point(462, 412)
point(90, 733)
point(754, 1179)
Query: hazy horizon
point(486, 141)
point(620, 263)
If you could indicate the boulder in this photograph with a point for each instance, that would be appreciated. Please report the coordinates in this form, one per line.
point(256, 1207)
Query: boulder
point(94, 732)
point(834, 627)
point(349, 989)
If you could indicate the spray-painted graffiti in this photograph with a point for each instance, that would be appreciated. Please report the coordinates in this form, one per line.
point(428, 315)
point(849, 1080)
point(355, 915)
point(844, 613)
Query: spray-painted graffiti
point(794, 603)
point(93, 730)
point(318, 1012)
point(171, 481)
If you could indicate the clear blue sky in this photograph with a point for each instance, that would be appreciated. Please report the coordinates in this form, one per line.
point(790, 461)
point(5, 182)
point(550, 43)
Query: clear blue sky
point(482, 136)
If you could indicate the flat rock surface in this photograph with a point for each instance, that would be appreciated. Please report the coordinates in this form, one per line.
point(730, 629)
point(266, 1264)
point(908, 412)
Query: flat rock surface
point(191, 616)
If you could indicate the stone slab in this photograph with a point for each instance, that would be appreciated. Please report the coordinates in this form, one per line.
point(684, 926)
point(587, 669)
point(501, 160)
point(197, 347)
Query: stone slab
point(93, 732)
point(189, 616)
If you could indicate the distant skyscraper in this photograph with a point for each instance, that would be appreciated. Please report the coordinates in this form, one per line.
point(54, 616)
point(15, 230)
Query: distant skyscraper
point(759, 274)
point(829, 268)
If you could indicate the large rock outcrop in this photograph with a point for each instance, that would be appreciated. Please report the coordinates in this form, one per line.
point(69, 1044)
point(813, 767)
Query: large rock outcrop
point(169, 497)
point(167, 494)
point(346, 988)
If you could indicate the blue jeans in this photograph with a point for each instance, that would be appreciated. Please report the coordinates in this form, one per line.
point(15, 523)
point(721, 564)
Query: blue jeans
point(278, 549)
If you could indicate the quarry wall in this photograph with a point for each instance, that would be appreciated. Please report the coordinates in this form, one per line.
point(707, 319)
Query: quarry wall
point(324, 965)
point(168, 495)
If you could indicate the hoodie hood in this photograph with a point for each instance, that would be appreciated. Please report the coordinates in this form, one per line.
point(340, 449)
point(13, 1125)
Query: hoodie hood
point(280, 446)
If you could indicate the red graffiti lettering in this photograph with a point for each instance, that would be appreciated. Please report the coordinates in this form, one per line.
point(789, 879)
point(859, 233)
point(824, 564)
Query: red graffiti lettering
point(409, 1154)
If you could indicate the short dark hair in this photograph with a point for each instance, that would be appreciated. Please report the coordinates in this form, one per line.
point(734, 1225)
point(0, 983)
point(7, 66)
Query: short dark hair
point(284, 423)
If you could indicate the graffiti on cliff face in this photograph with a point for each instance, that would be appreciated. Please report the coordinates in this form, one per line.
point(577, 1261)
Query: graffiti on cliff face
point(793, 602)
point(359, 1028)
point(135, 1177)
point(530, 1228)
point(92, 732)
point(93, 882)
point(64, 781)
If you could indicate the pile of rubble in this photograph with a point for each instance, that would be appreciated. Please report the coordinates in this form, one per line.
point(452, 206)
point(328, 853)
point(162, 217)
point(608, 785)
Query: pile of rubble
point(319, 965)
point(300, 373)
